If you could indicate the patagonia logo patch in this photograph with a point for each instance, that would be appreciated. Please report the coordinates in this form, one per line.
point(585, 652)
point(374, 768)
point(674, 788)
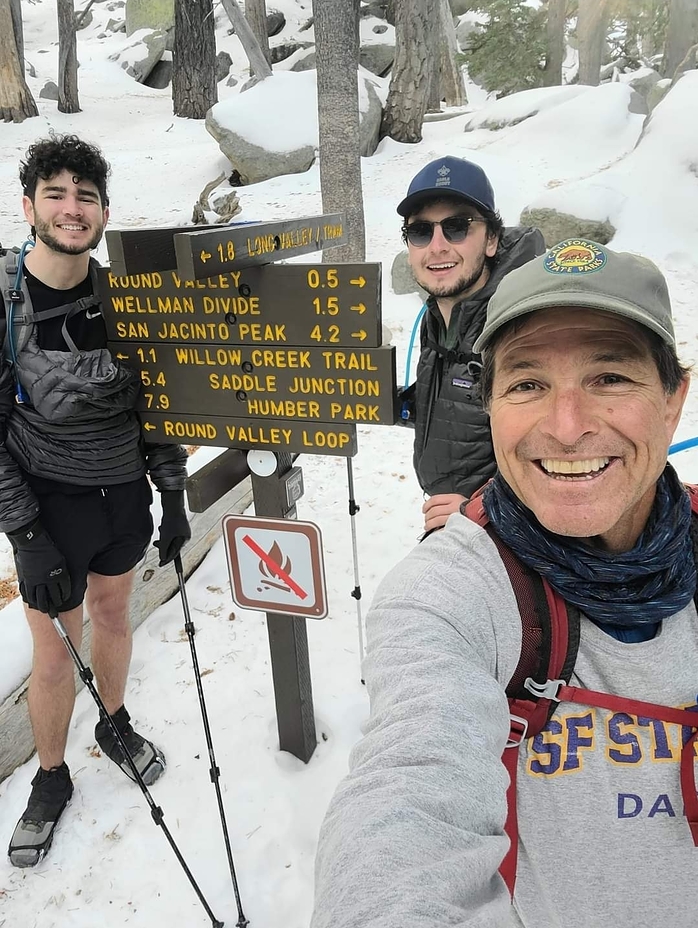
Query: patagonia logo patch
point(575, 256)
point(462, 382)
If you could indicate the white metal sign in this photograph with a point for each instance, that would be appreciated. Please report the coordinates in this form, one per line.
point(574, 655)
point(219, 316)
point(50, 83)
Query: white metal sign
point(276, 565)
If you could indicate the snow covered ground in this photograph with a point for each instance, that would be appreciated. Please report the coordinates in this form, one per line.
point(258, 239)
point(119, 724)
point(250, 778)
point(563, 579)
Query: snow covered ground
point(110, 864)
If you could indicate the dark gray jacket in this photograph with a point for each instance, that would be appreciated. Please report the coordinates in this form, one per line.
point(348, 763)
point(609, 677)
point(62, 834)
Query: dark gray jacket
point(78, 428)
point(453, 446)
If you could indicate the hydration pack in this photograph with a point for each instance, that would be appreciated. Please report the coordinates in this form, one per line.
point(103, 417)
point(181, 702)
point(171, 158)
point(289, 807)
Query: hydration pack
point(59, 384)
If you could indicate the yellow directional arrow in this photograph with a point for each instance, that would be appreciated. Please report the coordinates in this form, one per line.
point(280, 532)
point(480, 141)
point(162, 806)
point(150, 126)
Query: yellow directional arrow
point(205, 255)
point(361, 335)
point(359, 308)
point(359, 281)
point(122, 357)
point(149, 427)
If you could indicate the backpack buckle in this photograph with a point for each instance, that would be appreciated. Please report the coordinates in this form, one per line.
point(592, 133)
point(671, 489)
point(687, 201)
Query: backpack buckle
point(548, 690)
point(518, 729)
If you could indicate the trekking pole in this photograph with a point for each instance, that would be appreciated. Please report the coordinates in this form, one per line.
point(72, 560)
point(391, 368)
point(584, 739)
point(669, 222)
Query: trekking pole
point(214, 770)
point(156, 812)
point(356, 592)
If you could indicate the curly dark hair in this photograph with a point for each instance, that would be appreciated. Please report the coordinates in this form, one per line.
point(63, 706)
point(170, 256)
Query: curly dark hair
point(48, 157)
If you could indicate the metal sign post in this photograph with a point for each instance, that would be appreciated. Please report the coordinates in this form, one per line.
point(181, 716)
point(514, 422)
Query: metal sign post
point(288, 637)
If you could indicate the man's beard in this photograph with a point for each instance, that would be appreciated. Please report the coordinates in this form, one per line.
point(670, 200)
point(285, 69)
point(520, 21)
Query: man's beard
point(42, 231)
point(460, 286)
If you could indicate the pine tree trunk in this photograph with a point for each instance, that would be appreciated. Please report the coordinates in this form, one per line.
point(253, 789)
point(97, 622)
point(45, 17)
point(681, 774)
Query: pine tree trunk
point(682, 33)
point(337, 56)
point(591, 34)
point(256, 16)
point(555, 43)
point(16, 100)
point(409, 84)
point(259, 65)
point(439, 56)
point(194, 89)
point(435, 85)
point(18, 28)
point(68, 101)
point(451, 78)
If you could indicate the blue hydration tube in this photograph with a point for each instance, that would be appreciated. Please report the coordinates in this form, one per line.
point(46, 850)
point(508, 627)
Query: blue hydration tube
point(412, 338)
point(683, 445)
point(20, 395)
point(404, 413)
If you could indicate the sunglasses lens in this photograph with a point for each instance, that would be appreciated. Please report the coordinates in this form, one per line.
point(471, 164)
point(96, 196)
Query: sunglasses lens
point(455, 228)
point(420, 234)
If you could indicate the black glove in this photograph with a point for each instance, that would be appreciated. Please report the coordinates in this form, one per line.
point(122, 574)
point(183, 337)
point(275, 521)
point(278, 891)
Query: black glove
point(42, 572)
point(174, 528)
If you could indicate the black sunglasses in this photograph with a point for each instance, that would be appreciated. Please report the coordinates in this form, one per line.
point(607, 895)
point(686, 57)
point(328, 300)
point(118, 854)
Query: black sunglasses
point(455, 229)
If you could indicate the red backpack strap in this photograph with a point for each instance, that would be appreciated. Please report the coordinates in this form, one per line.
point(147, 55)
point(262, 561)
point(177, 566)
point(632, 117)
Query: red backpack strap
point(692, 489)
point(549, 645)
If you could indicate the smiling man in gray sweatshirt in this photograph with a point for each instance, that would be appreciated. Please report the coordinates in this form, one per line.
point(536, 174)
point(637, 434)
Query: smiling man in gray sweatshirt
point(584, 391)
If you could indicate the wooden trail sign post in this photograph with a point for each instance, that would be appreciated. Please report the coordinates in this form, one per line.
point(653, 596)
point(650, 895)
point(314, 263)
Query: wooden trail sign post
point(235, 351)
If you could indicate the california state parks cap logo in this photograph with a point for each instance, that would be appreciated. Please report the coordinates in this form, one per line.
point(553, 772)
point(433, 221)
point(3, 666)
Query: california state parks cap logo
point(575, 256)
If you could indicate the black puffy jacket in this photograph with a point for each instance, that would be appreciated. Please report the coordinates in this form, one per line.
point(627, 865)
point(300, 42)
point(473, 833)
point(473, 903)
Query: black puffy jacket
point(78, 427)
point(453, 446)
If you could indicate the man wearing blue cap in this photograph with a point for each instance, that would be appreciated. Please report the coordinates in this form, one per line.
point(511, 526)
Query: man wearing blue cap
point(458, 250)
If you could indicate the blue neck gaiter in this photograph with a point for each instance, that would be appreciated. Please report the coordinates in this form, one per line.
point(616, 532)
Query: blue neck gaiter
point(633, 590)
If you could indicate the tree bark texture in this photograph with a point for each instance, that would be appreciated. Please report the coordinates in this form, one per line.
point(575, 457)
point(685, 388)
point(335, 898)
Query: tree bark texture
point(16, 100)
point(555, 43)
point(446, 80)
point(18, 27)
point(592, 19)
point(452, 84)
point(259, 65)
point(194, 89)
point(337, 57)
point(68, 101)
point(408, 95)
point(256, 16)
point(682, 33)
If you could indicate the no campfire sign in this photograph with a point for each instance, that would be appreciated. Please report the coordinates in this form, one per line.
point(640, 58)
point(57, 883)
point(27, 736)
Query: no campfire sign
point(276, 565)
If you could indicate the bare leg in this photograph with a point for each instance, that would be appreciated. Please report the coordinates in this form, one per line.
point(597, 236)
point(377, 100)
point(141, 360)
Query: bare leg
point(51, 693)
point(107, 601)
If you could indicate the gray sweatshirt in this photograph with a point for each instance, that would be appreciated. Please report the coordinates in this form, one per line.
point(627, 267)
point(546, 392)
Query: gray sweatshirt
point(414, 835)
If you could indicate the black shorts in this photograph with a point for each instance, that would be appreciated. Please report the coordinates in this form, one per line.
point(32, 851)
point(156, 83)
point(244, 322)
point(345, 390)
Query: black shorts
point(104, 530)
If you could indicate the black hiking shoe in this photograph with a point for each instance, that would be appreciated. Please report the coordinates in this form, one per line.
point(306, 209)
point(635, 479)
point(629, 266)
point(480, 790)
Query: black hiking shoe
point(51, 792)
point(149, 759)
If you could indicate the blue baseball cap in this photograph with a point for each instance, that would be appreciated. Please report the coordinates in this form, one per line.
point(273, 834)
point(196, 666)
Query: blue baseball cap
point(452, 177)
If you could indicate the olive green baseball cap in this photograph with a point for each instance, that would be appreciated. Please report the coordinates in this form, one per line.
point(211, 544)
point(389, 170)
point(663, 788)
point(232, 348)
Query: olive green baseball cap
point(581, 273)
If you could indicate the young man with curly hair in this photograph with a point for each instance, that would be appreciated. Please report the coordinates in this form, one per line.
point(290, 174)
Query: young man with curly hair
point(74, 491)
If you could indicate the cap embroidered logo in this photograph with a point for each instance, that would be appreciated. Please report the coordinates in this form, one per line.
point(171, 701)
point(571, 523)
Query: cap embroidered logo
point(444, 178)
point(575, 256)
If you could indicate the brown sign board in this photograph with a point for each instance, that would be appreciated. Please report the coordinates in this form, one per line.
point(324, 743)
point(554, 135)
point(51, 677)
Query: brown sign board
point(140, 251)
point(312, 384)
point(276, 565)
point(215, 251)
point(251, 434)
point(277, 304)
